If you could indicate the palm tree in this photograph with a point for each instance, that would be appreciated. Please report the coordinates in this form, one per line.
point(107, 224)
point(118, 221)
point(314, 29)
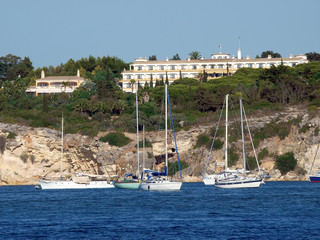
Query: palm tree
point(132, 82)
point(195, 55)
point(65, 85)
point(121, 105)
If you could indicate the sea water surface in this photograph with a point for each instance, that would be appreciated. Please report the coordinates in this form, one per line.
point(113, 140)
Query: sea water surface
point(276, 210)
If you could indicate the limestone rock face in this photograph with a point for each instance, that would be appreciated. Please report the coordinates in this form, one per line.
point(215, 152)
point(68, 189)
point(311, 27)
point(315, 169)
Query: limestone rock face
point(34, 153)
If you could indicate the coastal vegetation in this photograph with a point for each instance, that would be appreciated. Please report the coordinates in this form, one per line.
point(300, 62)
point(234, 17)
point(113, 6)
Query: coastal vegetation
point(173, 167)
point(101, 105)
point(286, 162)
point(116, 139)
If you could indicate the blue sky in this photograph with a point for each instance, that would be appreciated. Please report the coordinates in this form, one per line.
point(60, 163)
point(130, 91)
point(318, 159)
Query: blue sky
point(51, 32)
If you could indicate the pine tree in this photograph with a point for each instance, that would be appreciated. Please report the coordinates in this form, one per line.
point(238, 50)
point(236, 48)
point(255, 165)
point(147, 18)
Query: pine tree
point(180, 79)
point(109, 82)
point(204, 77)
point(45, 107)
point(151, 81)
point(146, 85)
point(167, 80)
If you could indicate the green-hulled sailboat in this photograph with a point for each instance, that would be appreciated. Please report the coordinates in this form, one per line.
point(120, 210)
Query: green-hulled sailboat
point(130, 181)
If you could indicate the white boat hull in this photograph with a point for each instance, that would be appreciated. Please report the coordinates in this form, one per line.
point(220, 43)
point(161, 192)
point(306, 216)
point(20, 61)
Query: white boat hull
point(209, 180)
point(246, 183)
point(161, 186)
point(47, 184)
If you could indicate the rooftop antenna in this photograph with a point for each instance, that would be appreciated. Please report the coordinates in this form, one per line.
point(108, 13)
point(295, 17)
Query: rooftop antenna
point(220, 47)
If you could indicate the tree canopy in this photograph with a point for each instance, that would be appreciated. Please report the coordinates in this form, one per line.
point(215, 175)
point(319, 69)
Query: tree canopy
point(265, 54)
point(100, 104)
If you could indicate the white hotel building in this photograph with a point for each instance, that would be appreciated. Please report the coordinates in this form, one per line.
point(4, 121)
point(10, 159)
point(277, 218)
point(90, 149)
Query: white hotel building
point(220, 64)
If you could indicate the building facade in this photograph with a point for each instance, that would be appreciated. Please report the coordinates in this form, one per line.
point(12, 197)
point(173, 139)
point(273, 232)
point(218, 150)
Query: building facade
point(55, 84)
point(219, 65)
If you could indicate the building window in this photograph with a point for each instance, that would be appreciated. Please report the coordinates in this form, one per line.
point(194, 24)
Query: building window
point(239, 66)
point(183, 67)
point(42, 84)
point(128, 76)
point(260, 65)
point(150, 68)
point(249, 65)
point(203, 66)
point(172, 75)
point(139, 76)
point(162, 76)
point(72, 84)
point(172, 67)
point(212, 66)
point(194, 66)
point(139, 68)
point(161, 67)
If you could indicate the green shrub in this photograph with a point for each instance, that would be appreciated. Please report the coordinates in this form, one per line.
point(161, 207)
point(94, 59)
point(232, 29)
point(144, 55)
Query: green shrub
point(147, 144)
point(218, 144)
point(312, 108)
point(296, 121)
point(116, 139)
point(11, 135)
point(304, 128)
point(173, 167)
point(202, 140)
point(251, 163)
point(88, 131)
point(315, 102)
point(187, 128)
point(233, 157)
point(286, 162)
point(272, 129)
point(220, 132)
point(263, 154)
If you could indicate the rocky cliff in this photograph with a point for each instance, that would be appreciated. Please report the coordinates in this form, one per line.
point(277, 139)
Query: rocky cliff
point(28, 154)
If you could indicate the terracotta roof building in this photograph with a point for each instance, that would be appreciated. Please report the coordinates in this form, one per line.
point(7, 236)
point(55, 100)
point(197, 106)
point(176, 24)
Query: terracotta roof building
point(55, 84)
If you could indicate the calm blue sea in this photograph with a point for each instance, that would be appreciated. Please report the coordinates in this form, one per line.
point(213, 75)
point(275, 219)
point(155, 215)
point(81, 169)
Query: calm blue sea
point(277, 210)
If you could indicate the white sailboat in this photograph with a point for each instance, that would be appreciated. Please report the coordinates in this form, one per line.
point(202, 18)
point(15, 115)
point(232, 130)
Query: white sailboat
point(210, 179)
point(158, 181)
point(316, 177)
point(231, 179)
point(78, 180)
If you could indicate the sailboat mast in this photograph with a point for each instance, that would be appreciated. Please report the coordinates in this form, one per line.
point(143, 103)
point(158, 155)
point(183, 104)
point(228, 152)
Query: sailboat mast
point(242, 133)
point(143, 150)
point(137, 115)
point(166, 126)
point(226, 150)
point(61, 148)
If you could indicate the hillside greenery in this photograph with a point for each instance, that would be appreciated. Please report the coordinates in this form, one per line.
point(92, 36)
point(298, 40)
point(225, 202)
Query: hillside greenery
point(101, 105)
point(286, 162)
